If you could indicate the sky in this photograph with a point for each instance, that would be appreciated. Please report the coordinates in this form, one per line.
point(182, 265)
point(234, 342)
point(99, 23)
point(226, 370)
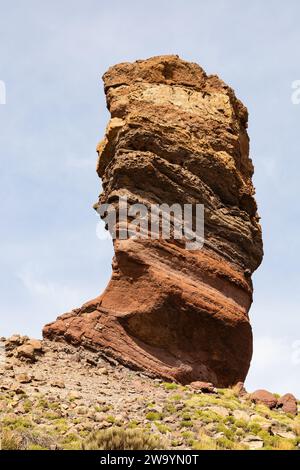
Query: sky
point(52, 57)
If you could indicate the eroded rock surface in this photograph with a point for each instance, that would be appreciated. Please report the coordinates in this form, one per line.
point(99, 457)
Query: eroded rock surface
point(176, 135)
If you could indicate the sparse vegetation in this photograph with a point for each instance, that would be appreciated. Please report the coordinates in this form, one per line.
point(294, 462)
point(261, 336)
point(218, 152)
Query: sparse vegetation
point(122, 439)
point(150, 413)
point(24, 440)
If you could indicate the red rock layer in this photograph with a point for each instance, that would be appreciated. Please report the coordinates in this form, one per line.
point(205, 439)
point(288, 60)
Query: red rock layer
point(176, 135)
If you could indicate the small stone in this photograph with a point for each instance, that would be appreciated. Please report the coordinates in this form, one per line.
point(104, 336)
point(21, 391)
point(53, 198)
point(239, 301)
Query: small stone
point(26, 351)
point(36, 344)
point(16, 389)
point(103, 425)
point(156, 409)
point(204, 387)
point(74, 395)
point(38, 378)
point(286, 434)
point(20, 409)
point(81, 410)
point(106, 424)
point(102, 371)
point(23, 378)
point(169, 419)
point(253, 442)
point(58, 384)
point(179, 406)
point(99, 417)
point(14, 340)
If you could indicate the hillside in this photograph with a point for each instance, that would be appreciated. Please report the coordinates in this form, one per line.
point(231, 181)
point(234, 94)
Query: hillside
point(54, 396)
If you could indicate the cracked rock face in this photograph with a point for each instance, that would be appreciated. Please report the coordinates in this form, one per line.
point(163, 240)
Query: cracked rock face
point(179, 136)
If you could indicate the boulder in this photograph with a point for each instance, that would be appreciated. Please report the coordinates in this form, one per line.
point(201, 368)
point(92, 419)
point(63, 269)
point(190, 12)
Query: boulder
point(264, 397)
point(288, 403)
point(26, 351)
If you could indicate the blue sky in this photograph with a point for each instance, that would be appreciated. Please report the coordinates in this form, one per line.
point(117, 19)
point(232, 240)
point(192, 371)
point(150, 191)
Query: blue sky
point(52, 56)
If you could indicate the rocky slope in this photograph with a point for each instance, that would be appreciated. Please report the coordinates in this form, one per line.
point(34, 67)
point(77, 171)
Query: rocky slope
point(56, 396)
point(179, 136)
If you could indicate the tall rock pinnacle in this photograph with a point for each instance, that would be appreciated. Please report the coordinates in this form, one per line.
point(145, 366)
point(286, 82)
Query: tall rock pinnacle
point(176, 136)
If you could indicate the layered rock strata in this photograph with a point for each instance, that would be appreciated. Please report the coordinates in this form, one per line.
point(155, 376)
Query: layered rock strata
point(176, 136)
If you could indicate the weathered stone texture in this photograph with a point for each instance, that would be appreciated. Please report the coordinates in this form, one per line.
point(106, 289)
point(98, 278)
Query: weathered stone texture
point(176, 135)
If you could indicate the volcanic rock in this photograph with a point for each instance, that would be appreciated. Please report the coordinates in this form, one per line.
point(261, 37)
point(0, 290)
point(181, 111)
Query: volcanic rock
point(204, 387)
point(176, 136)
point(240, 389)
point(264, 397)
point(288, 403)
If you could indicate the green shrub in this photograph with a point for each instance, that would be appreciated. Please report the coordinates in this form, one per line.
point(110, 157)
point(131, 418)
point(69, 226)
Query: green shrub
point(153, 416)
point(22, 439)
point(10, 441)
point(122, 439)
point(204, 442)
point(225, 443)
point(170, 386)
point(186, 424)
point(163, 428)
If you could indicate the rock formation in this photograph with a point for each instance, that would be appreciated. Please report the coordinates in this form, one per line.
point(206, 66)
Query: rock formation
point(179, 136)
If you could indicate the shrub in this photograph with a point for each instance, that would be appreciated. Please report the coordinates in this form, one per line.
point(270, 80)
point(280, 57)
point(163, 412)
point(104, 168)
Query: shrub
point(24, 440)
point(170, 386)
point(153, 416)
point(122, 439)
point(170, 408)
point(186, 416)
point(295, 426)
point(229, 433)
point(10, 441)
point(163, 428)
point(186, 424)
point(254, 428)
point(225, 443)
point(284, 444)
point(176, 397)
point(205, 442)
